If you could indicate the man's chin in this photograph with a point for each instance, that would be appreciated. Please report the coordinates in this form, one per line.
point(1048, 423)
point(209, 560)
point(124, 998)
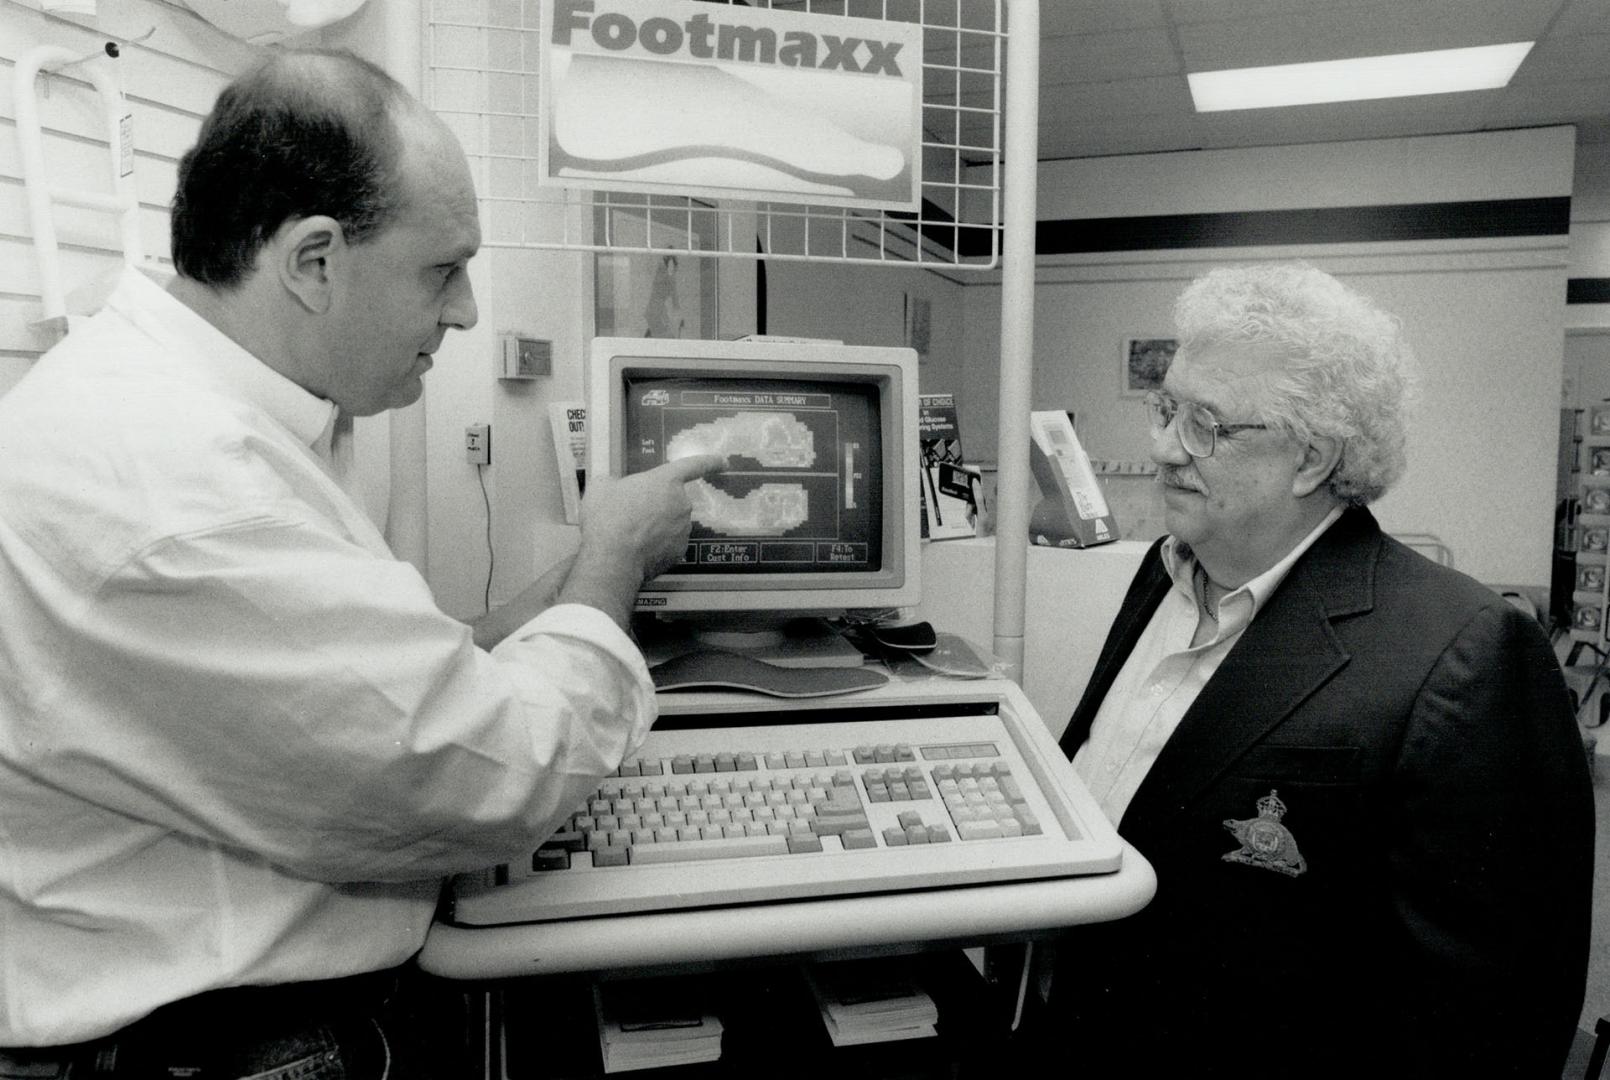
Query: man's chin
point(1179, 512)
point(406, 395)
point(400, 397)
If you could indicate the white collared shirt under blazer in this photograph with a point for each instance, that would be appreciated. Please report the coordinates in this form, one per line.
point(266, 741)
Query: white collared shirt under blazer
point(239, 741)
point(1164, 674)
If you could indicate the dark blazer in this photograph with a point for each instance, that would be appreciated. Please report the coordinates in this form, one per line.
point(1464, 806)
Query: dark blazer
point(1418, 731)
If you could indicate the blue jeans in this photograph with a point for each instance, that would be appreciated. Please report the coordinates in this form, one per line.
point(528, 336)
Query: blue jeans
point(367, 1028)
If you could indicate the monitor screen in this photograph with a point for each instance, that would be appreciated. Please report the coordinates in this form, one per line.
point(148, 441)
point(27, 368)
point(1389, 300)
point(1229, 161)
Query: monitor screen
point(817, 509)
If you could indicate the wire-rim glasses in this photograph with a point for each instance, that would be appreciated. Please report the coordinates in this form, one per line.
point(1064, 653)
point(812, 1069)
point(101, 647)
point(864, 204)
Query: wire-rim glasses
point(1198, 428)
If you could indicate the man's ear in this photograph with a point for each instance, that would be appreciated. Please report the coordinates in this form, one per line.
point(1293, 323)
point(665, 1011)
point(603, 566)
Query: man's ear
point(307, 254)
point(1320, 458)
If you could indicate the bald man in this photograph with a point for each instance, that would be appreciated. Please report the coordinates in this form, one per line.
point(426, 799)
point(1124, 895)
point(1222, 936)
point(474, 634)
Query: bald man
point(240, 744)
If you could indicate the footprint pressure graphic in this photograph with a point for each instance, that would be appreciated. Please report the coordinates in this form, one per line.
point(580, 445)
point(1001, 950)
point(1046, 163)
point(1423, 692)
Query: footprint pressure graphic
point(776, 440)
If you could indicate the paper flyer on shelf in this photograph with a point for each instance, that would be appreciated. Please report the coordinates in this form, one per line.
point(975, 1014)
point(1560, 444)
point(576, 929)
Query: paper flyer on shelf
point(569, 422)
point(949, 490)
point(1072, 512)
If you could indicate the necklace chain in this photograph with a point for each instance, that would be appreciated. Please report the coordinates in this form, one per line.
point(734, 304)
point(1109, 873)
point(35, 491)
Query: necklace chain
point(1207, 606)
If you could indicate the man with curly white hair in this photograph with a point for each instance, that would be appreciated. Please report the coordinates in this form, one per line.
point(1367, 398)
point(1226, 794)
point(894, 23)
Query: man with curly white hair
point(1355, 772)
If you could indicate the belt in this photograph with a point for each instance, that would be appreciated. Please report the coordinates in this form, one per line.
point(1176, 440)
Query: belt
point(216, 1021)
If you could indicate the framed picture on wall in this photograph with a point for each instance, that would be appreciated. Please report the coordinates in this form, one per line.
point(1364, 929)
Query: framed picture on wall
point(668, 291)
point(1145, 361)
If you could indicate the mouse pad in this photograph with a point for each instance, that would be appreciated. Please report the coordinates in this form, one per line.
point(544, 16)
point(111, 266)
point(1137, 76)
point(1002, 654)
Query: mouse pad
point(716, 668)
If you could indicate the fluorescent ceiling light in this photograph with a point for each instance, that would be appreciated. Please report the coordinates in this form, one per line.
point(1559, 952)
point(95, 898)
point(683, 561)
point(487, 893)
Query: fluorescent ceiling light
point(1443, 71)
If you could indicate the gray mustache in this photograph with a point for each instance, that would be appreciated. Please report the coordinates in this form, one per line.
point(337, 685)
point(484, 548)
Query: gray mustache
point(1174, 478)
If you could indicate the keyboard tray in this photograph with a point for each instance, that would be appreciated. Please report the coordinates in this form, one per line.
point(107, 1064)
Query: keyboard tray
point(864, 798)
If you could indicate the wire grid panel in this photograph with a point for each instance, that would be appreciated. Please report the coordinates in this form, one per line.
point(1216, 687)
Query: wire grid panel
point(482, 78)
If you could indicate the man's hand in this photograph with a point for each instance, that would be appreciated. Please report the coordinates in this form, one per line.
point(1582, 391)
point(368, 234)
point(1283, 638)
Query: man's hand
point(633, 528)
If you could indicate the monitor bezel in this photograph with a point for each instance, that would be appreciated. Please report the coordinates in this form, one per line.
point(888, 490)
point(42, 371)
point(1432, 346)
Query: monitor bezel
point(892, 370)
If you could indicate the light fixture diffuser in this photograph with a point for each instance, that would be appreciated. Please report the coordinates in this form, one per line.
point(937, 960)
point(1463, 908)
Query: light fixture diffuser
point(1364, 78)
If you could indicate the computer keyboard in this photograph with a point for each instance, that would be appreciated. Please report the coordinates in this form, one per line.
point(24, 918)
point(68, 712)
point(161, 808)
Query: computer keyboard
point(738, 808)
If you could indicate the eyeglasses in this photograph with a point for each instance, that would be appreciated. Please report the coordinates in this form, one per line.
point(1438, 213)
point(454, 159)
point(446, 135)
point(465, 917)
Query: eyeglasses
point(1199, 429)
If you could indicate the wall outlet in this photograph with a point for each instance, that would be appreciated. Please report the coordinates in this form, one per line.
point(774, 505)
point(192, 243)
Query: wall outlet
point(526, 358)
point(478, 444)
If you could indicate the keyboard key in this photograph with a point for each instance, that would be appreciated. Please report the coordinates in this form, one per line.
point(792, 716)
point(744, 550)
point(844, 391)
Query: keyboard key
point(859, 840)
point(802, 845)
point(838, 824)
point(699, 850)
point(566, 841)
point(895, 837)
point(613, 855)
point(551, 859)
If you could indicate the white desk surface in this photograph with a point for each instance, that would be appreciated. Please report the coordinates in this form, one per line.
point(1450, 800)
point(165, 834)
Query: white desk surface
point(973, 915)
point(967, 915)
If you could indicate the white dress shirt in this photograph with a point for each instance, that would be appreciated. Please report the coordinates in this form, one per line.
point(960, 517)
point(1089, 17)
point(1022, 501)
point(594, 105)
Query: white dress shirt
point(1164, 674)
point(239, 742)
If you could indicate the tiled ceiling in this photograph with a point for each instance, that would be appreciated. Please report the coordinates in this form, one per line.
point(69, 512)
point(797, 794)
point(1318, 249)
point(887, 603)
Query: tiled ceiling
point(1112, 72)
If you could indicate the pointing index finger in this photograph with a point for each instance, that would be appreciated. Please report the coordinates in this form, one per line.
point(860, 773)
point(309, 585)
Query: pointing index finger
point(697, 466)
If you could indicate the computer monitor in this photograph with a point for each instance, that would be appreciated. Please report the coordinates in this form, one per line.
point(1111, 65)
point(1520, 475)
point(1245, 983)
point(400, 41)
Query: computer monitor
point(816, 514)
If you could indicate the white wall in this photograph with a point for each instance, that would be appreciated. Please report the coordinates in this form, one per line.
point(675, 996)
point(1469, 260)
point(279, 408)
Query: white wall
point(1590, 230)
point(1486, 317)
point(169, 80)
point(865, 305)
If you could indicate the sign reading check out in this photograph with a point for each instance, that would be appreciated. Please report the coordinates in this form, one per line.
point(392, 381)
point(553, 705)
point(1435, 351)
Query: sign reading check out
point(724, 101)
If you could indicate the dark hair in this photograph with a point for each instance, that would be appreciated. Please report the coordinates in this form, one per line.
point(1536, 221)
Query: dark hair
point(306, 132)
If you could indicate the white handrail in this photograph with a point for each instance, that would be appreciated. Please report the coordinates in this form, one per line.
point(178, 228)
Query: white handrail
point(42, 195)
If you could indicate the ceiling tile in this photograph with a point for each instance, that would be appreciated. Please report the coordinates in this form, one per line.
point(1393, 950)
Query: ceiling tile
point(1191, 11)
point(1347, 120)
point(1103, 57)
point(1118, 99)
point(1564, 57)
point(1583, 17)
point(1361, 31)
point(1551, 103)
point(1093, 16)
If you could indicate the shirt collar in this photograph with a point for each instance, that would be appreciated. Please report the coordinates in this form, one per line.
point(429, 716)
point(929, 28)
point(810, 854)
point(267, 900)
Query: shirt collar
point(1180, 562)
point(200, 350)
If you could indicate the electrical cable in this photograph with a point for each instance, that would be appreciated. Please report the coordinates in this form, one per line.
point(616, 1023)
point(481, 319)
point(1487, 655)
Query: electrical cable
point(491, 556)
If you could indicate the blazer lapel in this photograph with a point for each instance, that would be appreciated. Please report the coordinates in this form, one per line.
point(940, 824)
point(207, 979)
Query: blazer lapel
point(1287, 653)
point(1145, 593)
